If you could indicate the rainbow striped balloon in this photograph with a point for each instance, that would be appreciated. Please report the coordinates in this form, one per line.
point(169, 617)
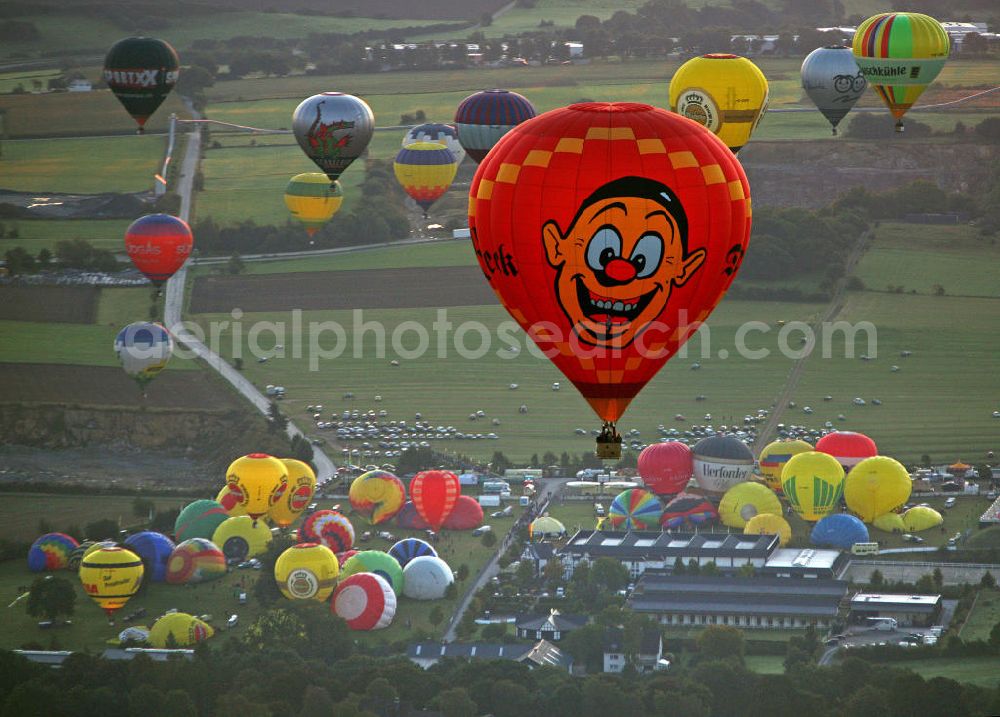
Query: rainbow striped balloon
point(635, 509)
point(900, 53)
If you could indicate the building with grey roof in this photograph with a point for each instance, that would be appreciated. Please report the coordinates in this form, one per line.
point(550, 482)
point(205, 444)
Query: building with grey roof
point(907, 610)
point(552, 627)
point(748, 603)
point(538, 654)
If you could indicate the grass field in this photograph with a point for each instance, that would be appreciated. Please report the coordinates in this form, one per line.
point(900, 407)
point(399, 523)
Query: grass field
point(765, 664)
point(84, 33)
point(984, 616)
point(920, 256)
point(980, 671)
point(88, 166)
point(71, 114)
point(22, 513)
point(37, 234)
point(734, 386)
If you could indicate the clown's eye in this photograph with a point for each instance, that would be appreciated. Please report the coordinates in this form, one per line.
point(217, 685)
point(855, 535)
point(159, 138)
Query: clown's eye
point(604, 246)
point(646, 255)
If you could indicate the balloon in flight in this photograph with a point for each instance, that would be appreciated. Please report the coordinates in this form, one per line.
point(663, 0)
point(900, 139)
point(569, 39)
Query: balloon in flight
point(144, 349)
point(833, 81)
point(483, 118)
point(313, 200)
point(158, 245)
point(141, 71)
point(425, 170)
point(900, 53)
point(608, 231)
point(333, 129)
point(723, 92)
point(445, 134)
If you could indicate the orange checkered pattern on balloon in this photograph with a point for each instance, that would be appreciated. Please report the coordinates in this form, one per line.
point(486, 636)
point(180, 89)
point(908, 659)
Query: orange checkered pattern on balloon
point(532, 185)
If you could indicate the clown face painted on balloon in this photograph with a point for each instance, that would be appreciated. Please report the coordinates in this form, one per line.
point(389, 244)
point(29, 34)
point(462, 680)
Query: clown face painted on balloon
point(616, 264)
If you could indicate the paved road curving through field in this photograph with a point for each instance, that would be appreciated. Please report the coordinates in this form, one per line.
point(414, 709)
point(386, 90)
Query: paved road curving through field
point(174, 304)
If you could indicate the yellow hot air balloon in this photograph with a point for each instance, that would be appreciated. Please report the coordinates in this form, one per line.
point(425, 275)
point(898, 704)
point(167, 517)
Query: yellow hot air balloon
point(745, 500)
point(229, 499)
point(921, 517)
point(900, 53)
point(255, 481)
point(178, 629)
point(110, 576)
point(890, 523)
point(875, 486)
point(774, 457)
point(769, 524)
point(726, 93)
point(298, 494)
point(813, 483)
point(425, 170)
point(307, 571)
point(313, 200)
point(242, 537)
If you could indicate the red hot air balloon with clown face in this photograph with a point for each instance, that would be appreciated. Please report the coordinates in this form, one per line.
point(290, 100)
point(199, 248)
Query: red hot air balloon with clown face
point(158, 245)
point(609, 231)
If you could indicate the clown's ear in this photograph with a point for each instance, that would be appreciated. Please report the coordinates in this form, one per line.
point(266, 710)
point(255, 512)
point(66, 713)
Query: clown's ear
point(691, 263)
point(552, 238)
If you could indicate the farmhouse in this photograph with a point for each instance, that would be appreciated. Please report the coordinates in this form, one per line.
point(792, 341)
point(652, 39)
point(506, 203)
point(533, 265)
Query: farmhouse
point(552, 627)
point(647, 659)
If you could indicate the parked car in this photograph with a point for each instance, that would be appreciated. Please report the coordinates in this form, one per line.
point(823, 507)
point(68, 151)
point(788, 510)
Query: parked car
point(950, 503)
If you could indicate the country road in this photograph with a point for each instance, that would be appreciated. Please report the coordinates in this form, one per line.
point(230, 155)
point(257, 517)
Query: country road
point(173, 308)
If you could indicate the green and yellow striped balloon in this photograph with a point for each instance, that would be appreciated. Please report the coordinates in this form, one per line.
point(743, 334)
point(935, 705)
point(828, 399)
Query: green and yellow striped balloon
point(813, 483)
point(313, 200)
point(900, 53)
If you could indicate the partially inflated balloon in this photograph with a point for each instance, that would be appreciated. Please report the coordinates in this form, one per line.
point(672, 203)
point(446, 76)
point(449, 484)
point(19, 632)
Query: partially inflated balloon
point(774, 457)
point(813, 483)
point(635, 509)
point(608, 232)
point(425, 170)
point(890, 523)
point(546, 527)
point(769, 524)
point(257, 481)
point(158, 245)
point(725, 93)
point(466, 515)
point(848, 447)
point(195, 561)
point(365, 601)
point(144, 349)
point(375, 561)
point(407, 549)
point(378, 495)
point(484, 118)
point(298, 494)
point(312, 200)
point(306, 571)
point(141, 71)
point(179, 629)
point(242, 537)
point(831, 78)
point(900, 53)
point(839, 530)
point(154, 549)
point(921, 517)
point(434, 494)
point(199, 520)
point(666, 467)
point(333, 130)
point(445, 134)
point(427, 577)
point(329, 528)
point(875, 486)
point(51, 551)
point(110, 576)
point(745, 500)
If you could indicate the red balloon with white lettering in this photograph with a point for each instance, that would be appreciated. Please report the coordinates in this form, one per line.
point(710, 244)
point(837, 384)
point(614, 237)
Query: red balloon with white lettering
point(158, 245)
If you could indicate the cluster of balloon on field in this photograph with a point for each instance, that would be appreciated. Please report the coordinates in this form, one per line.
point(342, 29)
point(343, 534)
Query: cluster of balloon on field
point(261, 491)
point(844, 466)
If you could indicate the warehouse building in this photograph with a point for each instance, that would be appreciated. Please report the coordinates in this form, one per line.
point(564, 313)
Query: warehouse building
point(748, 603)
point(907, 610)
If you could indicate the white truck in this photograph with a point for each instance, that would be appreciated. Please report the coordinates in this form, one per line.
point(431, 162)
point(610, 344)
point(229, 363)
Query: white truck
point(885, 624)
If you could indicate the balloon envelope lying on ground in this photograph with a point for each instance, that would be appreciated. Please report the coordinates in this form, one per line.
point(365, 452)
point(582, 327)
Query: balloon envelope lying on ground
point(635, 509)
point(378, 495)
point(840, 530)
point(195, 561)
point(889, 523)
point(51, 551)
point(688, 508)
point(769, 524)
point(178, 629)
point(199, 520)
point(407, 549)
point(745, 500)
point(330, 528)
point(242, 537)
point(375, 561)
point(921, 517)
point(154, 549)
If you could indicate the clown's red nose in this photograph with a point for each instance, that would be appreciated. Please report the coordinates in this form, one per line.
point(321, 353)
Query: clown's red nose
point(620, 270)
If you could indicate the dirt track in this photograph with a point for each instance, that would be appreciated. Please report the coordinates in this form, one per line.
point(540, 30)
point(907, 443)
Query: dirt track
point(109, 386)
point(364, 289)
point(44, 304)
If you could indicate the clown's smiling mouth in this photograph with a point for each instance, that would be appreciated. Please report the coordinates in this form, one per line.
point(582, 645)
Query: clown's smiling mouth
point(606, 309)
